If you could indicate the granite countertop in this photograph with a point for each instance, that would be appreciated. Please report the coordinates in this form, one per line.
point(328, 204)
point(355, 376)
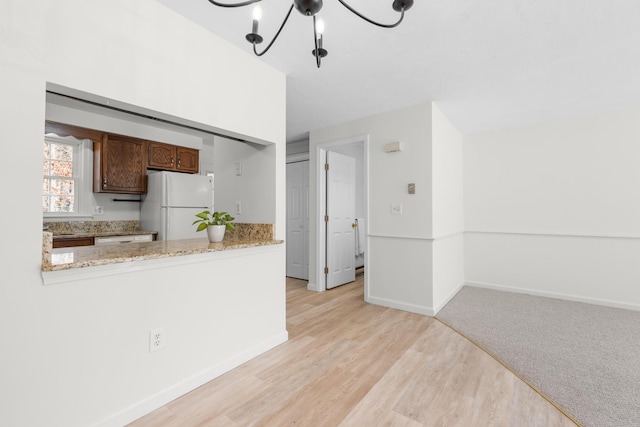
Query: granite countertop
point(72, 229)
point(101, 233)
point(245, 236)
point(87, 256)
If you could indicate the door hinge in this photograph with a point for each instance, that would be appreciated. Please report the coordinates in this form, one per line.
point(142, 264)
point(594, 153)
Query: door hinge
point(326, 270)
point(326, 166)
point(326, 218)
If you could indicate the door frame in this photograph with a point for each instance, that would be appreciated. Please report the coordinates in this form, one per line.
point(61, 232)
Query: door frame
point(321, 183)
point(295, 158)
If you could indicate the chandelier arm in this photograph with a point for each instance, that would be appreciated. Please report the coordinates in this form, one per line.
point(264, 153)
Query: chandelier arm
point(371, 21)
point(286, 18)
point(315, 40)
point(244, 3)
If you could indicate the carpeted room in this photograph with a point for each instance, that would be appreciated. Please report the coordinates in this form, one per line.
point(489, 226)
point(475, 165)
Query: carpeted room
point(582, 357)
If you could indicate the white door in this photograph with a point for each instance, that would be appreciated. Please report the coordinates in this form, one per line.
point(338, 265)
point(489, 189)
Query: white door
point(298, 220)
point(341, 206)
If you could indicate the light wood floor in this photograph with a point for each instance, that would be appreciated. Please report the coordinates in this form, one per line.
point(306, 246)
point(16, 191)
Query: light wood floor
point(349, 363)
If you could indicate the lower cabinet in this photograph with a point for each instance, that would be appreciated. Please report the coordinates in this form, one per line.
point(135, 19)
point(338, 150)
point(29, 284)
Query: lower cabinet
point(67, 242)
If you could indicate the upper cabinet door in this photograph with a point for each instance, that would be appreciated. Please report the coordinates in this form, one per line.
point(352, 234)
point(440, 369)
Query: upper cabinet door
point(120, 165)
point(172, 158)
point(162, 156)
point(187, 160)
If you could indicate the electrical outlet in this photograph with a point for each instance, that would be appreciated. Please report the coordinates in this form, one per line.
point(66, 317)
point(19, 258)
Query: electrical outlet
point(156, 339)
point(98, 210)
point(238, 208)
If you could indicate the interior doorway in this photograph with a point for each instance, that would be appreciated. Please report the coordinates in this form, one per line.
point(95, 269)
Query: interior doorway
point(340, 222)
point(297, 217)
point(357, 147)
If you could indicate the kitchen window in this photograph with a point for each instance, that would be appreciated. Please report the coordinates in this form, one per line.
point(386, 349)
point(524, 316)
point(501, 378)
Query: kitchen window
point(63, 191)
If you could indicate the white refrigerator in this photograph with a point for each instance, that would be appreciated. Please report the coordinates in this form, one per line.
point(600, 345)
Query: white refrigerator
point(172, 201)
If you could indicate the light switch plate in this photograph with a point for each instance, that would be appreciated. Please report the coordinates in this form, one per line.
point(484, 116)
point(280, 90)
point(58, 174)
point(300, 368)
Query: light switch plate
point(396, 208)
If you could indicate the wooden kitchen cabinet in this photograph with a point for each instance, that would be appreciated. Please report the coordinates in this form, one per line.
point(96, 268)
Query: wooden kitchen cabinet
point(119, 165)
point(68, 242)
point(187, 159)
point(171, 157)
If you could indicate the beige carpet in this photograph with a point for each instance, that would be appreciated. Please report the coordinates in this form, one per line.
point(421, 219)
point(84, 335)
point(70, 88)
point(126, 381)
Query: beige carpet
point(583, 357)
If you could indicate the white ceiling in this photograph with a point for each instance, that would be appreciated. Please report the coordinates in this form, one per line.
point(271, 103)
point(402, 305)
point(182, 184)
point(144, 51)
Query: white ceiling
point(487, 63)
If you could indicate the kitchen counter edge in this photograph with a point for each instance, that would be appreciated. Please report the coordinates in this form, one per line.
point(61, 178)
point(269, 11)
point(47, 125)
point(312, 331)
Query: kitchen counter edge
point(115, 253)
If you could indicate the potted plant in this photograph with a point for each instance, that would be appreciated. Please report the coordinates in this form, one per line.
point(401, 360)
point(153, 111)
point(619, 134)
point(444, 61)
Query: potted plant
point(215, 223)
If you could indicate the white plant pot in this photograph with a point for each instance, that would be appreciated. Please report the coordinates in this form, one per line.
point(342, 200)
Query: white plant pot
point(216, 233)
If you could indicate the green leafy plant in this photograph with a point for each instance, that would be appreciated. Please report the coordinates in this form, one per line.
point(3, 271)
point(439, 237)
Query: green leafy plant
point(217, 218)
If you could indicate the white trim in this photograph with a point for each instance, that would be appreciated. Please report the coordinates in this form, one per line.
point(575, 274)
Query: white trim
point(440, 306)
point(321, 284)
point(82, 176)
point(449, 235)
point(400, 305)
point(553, 234)
point(394, 236)
point(313, 287)
point(300, 157)
point(161, 398)
point(431, 239)
point(127, 266)
point(567, 297)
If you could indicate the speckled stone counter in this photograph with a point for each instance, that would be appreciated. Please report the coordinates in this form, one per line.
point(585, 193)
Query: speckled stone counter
point(246, 236)
point(69, 229)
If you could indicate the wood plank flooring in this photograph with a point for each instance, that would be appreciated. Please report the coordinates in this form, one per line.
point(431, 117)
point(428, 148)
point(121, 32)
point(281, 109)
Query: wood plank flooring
point(348, 363)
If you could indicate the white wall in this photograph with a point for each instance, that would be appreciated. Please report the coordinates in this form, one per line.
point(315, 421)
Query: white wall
point(553, 209)
point(448, 224)
point(100, 120)
point(76, 353)
point(254, 188)
point(297, 147)
point(399, 245)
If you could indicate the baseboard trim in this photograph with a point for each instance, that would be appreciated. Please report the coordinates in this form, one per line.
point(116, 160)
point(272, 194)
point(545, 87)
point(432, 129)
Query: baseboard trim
point(154, 402)
point(313, 287)
point(440, 306)
point(567, 297)
point(400, 305)
point(556, 234)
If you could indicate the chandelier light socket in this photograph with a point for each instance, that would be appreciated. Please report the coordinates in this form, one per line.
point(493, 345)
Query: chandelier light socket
point(398, 5)
point(254, 38)
point(321, 52)
point(308, 7)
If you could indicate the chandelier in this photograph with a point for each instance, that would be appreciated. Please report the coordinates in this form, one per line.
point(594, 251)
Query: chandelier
point(308, 8)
